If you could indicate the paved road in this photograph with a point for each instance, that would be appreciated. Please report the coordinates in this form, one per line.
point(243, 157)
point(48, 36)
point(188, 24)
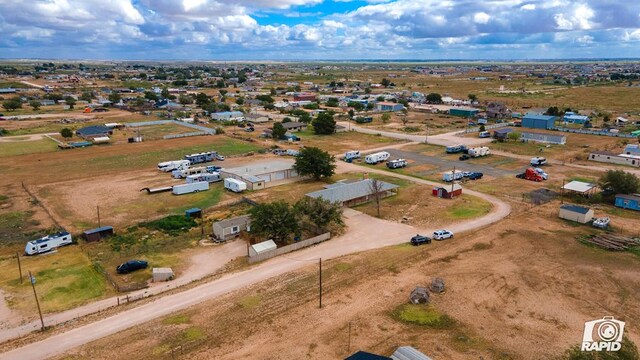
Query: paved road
point(364, 233)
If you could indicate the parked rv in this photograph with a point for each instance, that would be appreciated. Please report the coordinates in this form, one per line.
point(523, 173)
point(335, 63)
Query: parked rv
point(190, 188)
point(173, 165)
point(235, 185)
point(48, 243)
point(538, 161)
point(452, 175)
point(212, 168)
point(454, 149)
point(397, 163)
point(479, 151)
point(201, 157)
point(292, 152)
point(350, 155)
point(208, 177)
point(484, 134)
point(279, 152)
point(181, 174)
point(377, 157)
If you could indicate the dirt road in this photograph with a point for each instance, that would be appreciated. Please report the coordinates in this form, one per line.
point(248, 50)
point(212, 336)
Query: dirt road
point(365, 233)
point(21, 138)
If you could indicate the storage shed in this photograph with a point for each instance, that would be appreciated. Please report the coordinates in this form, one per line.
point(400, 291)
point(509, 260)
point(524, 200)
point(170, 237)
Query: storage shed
point(464, 112)
point(261, 175)
point(576, 213)
point(262, 247)
point(224, 230)
point(628, 201)
point(447, 192)
point(193, 213)
point(408, 353)
point(557, 139)
point(162, 274)
point(538, 121)
point(502, 133)
point(97, 234)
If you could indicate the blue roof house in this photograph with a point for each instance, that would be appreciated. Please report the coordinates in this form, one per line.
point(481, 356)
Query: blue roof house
point(538, 121)
point(571, 117)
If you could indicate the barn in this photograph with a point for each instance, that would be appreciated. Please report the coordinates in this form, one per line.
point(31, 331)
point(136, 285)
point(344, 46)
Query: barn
point(447, 192)
point(538, 121)
point(576, 213)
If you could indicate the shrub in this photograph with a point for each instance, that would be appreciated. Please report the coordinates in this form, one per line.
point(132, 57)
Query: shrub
point(171, 224)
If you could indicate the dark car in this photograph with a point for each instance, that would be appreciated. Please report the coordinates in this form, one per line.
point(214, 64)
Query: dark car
point(419, 240)
point(249, 129)
point(475, 176)
point(131, 265)
point(464, 157)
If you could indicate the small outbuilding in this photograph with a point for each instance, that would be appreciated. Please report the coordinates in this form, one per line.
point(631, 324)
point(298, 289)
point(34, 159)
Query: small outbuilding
point(94, 131)
point(408, 353)
point(538, 121)
point(224, 230)
point(447, 192)
point(262, 247)
point(502, 133)
point(363, 355)
point(97, 234)
point(628, 201)
point(193, 213)
point(580, 187)
point(419, 295)
point(576, 213)
point(162, 274)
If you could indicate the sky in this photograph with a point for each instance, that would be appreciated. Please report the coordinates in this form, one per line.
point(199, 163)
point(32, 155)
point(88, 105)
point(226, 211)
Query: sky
point(319, 29)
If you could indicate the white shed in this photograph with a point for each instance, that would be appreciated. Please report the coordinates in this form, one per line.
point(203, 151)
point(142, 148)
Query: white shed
point(262, 247)
point(576, 213)
point(162, 274)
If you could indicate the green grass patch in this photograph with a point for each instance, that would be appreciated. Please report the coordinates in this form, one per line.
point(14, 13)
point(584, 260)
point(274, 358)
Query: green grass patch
point(15, 148)
point(192, 334)
point(3, 198)
point(86, 283)
point(176, 319)
point(171, 224)
point(468, 207)
point(423, 315)
point(249, 302)
point(341, 267)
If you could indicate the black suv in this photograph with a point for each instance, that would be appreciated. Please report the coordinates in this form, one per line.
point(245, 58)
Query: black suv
point(419, 240)
point(131, 265)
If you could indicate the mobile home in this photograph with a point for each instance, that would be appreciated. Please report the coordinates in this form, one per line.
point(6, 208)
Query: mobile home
point(377, 157)
point(190, 188)
point(235, 185)
point(48, 243)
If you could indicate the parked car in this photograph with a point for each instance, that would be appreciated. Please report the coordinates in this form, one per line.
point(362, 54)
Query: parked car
point(442, 234)
point(420, 239)
point(280, 152)
point(219, 157)
point(131, 265)
point(241, 125)
point(484, 134)
point(464, 157)
point(467, 173)
point(249, 129)
point(476, 176)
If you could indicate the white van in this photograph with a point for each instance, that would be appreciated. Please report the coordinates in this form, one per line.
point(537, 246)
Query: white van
point(484, 134)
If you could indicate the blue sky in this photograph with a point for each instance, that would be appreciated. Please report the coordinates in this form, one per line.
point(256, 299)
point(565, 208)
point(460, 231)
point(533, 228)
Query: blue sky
point(318, 29)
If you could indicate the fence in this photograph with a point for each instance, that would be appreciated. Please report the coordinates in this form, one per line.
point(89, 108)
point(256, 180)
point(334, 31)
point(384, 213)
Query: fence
point(593, 132)
point(289, 248)
point(176, 122)
point(38, 202)
point(487, 127)
point(175, 136)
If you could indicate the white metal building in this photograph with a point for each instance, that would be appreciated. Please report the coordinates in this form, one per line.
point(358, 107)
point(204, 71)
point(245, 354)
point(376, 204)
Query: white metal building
point(262, 174)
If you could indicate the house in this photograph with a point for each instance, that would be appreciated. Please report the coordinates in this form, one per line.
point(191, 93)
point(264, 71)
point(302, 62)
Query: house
point(262, 247)
point(389, 106)
point(363, 355)
point(47, 102)
point(447, 192)
point(224, 230)
point(257, 118)
point(502, 133)
point(352, 193)
point(628, 201)
point(573, 118)
point(538, 121)
point(609, 157)
point(576, 213)
point(497, 110)
point(294, 126)
point(464, 112)
point(97, 234)
point(557, 139)
point(228, 116)
point(262, 175)
point(167, 104)
point(632, 149)
point(94, 131)
point(304, 97)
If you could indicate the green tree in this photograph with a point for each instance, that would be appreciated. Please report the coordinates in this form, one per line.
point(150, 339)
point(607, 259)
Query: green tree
point(165, 94)
point(276, 221)
point(314, 162)
point(86, 96)
point(386, 117)
point(434, 98)
point(71, 101)
point(312, 106)
point(240, 101)
point(628, 351)
point(606, 119)
point(482, 128)
point(278, 131)
point(514, 135)
point(220, 84)
point(202, 100)
point(385, 82)
point(150, 95)
point(324, 124)
point(66, 133)
point(286, 120)
point(12, 104)
point(619, 182)
point(333, 102)
point(553, 111)
point(305, 118)
point(265, 98)
point(356, 105)
point(351, 113)
point(185, 100)
point(272, 91)
point(367, 90)
point(114, 97)
point(318, 213)
point(35, 104)
point(473, 97)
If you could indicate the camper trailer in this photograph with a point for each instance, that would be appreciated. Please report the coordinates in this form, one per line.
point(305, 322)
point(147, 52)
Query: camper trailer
point(173, 165)
point(235, 185)
point(450, 176)
point(479, 151)
point(397, 163)
point(48, 243)
point(181, 174)
point(454, 149)
point(201, 157)
point(350, 155)
point(190, 188)
point(208, 177)
point(377, 157)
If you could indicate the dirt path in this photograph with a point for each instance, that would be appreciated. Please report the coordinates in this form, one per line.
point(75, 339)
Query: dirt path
point(364, 233)
point(7, 317)
point(32, 84)
point(24, 138)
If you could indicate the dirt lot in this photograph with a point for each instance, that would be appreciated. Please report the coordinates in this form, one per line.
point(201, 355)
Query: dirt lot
point(509, 292)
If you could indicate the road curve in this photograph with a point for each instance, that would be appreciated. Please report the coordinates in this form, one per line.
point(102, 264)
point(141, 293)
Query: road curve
point(364, 233)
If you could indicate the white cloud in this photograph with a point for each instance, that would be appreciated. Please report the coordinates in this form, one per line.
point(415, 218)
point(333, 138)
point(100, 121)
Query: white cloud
point(481, 17)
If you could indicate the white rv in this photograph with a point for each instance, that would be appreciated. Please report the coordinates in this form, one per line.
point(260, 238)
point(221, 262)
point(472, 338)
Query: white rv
point(201, 157)
point(235, 185)
point(208, 177)
point(377, 157)
point(350, 155)
point(181, 174)
point(173, 165)
point(190, 188)
point(450, 176)
point(48, 243)
point(479, 151)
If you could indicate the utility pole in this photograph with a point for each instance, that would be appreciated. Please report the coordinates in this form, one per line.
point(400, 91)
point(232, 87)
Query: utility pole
point(453, 178)
point(562, 192)
point(426, 135)
point(19, 266)
point(320, 274)
point(202, 223)
point(349, 344)
point(98, 208)
point(33, 285)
